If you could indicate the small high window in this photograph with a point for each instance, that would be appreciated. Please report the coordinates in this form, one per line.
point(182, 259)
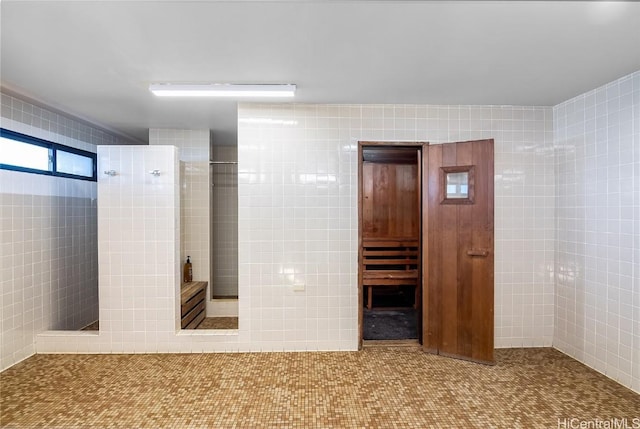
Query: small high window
point(74, 163)
point(25, 155)
point(21, 152)
point(458, 185)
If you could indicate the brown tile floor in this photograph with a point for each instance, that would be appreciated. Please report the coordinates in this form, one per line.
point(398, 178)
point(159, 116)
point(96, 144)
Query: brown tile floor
point(399, 387)
point(219, 323)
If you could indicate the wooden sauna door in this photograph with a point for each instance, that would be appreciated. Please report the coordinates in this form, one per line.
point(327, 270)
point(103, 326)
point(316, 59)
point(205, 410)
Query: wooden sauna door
point(458, 297)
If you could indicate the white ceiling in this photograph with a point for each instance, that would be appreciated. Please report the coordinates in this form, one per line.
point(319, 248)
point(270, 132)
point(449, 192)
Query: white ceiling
point(96, 59)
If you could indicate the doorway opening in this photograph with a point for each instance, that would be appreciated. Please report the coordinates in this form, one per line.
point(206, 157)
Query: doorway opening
point(390, 250)
point(224, 222)
point(222, 300)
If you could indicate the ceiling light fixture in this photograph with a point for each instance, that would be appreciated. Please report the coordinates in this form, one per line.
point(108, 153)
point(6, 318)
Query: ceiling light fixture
point(222, 90)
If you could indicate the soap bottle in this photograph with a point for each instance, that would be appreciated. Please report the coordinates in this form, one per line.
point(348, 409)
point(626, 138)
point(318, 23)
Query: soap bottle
point(188, 271)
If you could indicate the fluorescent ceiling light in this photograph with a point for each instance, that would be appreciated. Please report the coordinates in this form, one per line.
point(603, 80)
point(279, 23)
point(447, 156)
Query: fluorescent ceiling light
point(222, 90)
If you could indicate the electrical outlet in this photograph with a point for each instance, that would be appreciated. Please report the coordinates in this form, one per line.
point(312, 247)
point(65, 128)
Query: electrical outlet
point(298, 288)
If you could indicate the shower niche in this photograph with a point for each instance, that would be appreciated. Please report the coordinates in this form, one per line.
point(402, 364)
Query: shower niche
point(224, 222)
point(222, 304)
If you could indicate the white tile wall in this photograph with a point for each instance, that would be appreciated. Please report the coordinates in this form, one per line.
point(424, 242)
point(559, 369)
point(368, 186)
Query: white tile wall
point(597, 317)
point(48, 229)
point(138, 249)
point(50, 125)
point(193, 147)
point(298, 215)
point(48, 258)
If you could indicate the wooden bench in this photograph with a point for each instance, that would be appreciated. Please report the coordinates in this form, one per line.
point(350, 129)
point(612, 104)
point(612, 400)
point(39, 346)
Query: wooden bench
point(390, 262)
point(192, 304)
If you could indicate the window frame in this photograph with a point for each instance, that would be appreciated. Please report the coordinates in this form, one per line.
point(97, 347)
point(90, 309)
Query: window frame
point(53, 150)
point(471, 177)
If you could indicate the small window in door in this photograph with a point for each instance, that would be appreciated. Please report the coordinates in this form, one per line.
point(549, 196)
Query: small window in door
point(457, 184)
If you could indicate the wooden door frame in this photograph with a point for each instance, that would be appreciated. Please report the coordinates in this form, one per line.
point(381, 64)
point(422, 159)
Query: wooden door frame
point(422, 146)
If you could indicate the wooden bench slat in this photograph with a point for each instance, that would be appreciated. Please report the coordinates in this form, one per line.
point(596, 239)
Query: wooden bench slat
point(186, 320)
point(389, 240)
point(188, 290)
point(196, 321)
point(377, 252)
point(408, 273)
point(186, 307)
point(389, 282)
point(390, 245)
point(390, 262)
point(192, 304)
point(379, 255)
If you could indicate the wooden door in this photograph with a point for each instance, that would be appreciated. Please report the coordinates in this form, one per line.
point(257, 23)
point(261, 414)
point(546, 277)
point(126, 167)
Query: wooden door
point(458, 299)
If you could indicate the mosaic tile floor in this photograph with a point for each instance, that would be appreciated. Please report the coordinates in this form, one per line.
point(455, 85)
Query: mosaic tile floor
point(219, 323)
point(399, 387)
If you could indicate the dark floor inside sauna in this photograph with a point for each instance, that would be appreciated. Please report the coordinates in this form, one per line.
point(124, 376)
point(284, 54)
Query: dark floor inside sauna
point(384, 324)
point(392, 316)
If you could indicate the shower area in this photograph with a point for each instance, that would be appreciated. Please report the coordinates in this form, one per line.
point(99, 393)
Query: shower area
point(224, 229)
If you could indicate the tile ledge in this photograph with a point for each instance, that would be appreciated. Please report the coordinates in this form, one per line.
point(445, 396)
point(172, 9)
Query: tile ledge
point(68, 334)
point(207, 332)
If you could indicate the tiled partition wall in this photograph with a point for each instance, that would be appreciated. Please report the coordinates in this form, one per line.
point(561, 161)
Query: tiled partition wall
point(138, 251)
point(598, 229)
point(193, 148)
point(139, 256)
point(49, 250)
point(298, 215)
